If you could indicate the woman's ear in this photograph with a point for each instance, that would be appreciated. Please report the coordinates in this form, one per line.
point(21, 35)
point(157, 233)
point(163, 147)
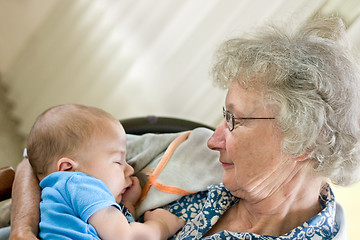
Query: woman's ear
point(66, 164)
point(303, 157)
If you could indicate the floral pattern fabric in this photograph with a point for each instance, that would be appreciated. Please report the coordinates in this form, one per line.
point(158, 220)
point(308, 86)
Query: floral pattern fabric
point(202, 210)
point(129, 217)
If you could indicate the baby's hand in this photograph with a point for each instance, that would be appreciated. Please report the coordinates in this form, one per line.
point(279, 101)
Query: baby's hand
point(133, 193)
point(169, 222)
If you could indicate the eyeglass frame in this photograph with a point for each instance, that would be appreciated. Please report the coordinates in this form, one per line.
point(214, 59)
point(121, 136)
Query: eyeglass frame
point(230, 119)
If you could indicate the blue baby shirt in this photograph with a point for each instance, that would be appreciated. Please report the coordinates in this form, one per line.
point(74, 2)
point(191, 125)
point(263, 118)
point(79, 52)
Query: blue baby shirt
point(68, 199)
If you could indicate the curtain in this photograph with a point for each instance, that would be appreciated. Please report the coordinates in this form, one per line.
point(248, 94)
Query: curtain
point(136, 57)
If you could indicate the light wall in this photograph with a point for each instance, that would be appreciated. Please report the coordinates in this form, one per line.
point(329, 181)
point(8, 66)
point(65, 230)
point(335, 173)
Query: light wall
point(349, 197)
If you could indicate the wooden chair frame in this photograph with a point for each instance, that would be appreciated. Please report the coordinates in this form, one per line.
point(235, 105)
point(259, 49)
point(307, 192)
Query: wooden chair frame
point(7, 175)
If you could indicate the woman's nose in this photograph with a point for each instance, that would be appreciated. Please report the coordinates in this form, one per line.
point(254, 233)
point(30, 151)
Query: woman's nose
point(217, 140)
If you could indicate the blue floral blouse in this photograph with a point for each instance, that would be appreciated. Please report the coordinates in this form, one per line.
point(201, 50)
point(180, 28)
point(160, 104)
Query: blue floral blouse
point(202, 210)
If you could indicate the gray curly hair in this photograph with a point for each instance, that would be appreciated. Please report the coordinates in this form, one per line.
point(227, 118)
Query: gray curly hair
point(311, 74)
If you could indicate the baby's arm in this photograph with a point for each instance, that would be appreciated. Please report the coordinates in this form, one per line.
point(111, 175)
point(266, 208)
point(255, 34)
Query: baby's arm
point(110, 223)
point(166, 223)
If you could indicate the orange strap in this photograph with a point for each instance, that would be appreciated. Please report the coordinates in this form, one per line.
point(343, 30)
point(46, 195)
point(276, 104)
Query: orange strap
point(152, 181)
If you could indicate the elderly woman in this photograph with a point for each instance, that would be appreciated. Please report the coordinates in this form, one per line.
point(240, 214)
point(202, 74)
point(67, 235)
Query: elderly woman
point(291, 125)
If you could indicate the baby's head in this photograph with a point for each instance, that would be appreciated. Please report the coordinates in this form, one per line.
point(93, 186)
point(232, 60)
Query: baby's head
point(65, 131)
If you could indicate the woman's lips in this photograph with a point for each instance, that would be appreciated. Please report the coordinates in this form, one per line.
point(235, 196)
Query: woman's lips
point(225, 164)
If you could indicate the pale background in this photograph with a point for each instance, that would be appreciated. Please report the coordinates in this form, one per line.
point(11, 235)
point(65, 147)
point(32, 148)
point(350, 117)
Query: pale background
point(133, 58)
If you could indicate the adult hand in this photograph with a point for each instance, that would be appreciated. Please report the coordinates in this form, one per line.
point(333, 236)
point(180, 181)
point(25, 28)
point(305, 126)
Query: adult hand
point(132, 195)
point(25, 213)
point(22, 234)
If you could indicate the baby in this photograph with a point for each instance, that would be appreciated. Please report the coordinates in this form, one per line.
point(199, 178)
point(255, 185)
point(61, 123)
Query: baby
point(88, 191)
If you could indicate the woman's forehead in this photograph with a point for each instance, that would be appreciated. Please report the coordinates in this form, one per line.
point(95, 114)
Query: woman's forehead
point(248, 100)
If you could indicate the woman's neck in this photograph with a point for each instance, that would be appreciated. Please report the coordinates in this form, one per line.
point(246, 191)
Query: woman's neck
point(289, 205)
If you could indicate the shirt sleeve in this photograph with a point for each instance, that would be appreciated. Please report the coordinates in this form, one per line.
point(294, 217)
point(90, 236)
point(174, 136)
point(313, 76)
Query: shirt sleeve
point(87, 195)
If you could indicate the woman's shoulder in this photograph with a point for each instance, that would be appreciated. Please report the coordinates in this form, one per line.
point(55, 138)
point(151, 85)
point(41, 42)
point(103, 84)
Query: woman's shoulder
point(340, 219)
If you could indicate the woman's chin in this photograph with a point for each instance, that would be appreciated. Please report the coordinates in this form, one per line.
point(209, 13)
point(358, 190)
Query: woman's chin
point(229, 182)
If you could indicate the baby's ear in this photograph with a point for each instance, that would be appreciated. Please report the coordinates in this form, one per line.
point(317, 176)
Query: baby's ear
point(66, 164)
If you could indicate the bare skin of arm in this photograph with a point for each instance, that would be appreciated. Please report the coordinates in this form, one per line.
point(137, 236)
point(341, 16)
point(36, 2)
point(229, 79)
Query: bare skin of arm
point(25, 213)
point(110, 223)
point(159, 224)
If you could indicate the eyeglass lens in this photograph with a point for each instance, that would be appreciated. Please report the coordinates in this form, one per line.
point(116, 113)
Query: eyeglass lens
point(229, 118)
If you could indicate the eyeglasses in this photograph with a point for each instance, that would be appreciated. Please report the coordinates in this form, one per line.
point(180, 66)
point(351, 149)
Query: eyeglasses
point(230, 119)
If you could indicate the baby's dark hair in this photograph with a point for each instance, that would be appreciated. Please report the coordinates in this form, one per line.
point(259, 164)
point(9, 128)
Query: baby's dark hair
point(62, 131)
